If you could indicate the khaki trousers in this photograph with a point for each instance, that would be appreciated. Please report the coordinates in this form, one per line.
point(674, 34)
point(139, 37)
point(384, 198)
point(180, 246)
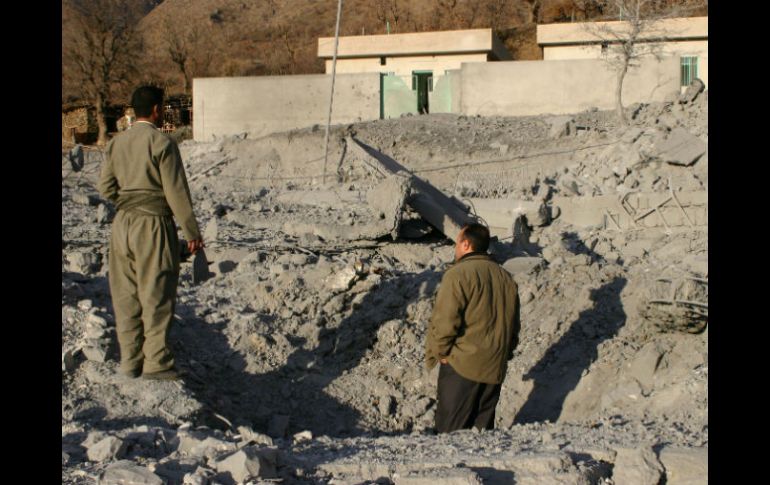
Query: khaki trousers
point(144, 272)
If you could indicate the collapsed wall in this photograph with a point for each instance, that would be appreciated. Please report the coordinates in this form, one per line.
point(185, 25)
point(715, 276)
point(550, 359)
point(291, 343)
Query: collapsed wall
point(315, 318)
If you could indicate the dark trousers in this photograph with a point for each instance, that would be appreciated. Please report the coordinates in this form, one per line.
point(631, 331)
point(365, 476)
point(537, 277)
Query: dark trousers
point(464, 404)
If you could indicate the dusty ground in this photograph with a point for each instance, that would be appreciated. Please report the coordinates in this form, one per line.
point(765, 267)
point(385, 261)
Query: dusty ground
point(315, 321)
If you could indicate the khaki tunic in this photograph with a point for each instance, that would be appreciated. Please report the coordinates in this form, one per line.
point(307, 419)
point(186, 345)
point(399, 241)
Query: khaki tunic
point(143, 174)
point(475, 323)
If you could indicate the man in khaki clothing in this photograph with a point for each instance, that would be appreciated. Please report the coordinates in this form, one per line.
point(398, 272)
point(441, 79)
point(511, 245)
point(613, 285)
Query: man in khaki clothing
point(472, 333)
point(144, 176)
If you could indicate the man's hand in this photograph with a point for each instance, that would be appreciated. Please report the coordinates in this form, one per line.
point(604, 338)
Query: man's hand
point(195, 245)
point(443, 361)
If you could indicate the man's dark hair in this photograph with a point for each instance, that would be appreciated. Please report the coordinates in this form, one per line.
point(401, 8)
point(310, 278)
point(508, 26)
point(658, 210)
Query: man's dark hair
point(477, 235)
point(144, 98)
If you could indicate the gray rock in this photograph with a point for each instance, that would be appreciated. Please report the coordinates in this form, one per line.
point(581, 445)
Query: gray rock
point(249, 435)
point(125, 472)
point(639, 466)
point(97, 350)
point(199, 445)
point(302, 436)
point(386, 405)
point(681, 148)
point(523, 265)
point(246, 463)
point(85, 305)
point(211, 232)
point(85, 199)
point(68, 361)
point(104, 214)
point(195, 479)
point(109, 448)
point(692, 91)
point(685, 466)
point(278, 426)
point(86, 263)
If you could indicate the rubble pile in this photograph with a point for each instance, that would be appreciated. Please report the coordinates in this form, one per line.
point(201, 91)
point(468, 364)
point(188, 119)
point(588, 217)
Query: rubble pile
point(303, 351)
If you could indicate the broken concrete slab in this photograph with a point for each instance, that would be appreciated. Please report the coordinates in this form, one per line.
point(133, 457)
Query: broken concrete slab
point(685, 466)
point(523, 265)
point(125, 472)
point(445, 476)
point(387, 200)
point(608, 212)
point(246, 463)
point(197, 444)
point(109, 448)
point(500, 213)
point(637, 465)
point(680, 148)
point(693, 90)
point(432, 204)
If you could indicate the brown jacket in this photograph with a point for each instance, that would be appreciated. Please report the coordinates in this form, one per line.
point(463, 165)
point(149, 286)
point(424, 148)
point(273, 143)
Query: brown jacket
point(475, 322)
point(143, 170)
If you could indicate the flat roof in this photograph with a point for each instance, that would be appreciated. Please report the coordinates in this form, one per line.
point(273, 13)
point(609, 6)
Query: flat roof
point(690, 28)
point(415, 43)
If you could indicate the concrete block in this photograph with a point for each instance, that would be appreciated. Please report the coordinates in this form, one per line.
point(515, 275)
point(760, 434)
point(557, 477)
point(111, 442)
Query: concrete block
point(109, 448)
point(681, 148)
point(125, 472)
point(639, 466)
point(685, 466)
point(246, 463)
point(523, 265)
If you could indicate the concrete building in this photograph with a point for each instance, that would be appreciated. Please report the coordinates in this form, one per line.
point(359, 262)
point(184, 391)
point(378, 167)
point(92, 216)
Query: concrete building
point(685, 38)
point(414, 68)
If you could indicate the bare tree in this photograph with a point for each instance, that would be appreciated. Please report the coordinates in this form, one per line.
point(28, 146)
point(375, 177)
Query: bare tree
point(100, 50)
point(184, 46)
point(640, 34)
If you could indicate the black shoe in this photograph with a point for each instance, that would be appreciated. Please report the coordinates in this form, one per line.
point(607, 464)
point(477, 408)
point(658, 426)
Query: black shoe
point(164, 375)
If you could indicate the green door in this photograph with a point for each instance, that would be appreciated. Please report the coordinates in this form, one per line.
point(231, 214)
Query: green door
point(422, 82)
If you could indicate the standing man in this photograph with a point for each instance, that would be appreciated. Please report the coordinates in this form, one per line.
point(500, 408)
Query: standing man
point(472, 333)
point(144, 176)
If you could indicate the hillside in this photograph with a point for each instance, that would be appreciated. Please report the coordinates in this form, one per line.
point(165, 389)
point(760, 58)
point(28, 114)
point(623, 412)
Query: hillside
point(272, 37)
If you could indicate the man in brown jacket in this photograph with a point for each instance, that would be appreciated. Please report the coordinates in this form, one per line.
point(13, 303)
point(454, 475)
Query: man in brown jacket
point(144, 176)
point(472, 333)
